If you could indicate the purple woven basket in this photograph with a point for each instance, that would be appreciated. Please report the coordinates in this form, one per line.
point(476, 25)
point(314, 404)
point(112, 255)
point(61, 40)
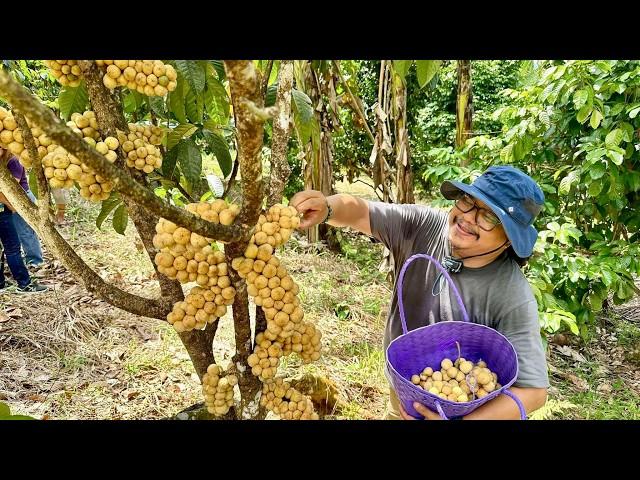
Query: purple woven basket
point(423, 347)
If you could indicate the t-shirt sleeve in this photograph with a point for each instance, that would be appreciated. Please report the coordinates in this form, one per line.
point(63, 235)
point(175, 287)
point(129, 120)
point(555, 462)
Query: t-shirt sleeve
point(522, 327)
point(396, 226)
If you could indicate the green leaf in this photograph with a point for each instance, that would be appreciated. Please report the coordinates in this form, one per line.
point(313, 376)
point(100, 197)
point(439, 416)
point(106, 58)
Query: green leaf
point(218, 65)
point(426, 70)
point(302, 114)
point(193, 72)
point(133, 101)
point(616, 109)
point(19, 417)
point(544, 118)
point(402, 67)
point(506, 154)
point(4, 410)
point(107, 206)
point(169, 162)
point(193, 105)
point(595, 188)
point(553, 226)
point(634, 112)
point(181, 131)
point(176, 102)
point(584, 113)
point(614, 137)
point(597, 170)
point(627, 131)
point(302, 105)
point(216, 101)
point(270, 97)
point(120, 219)
point(547, 91)
point(220, 148)
point(156, 104)
point(596, 118)
point(616, 157)
point(72, 100)
point(190, 160)
point(580, 97)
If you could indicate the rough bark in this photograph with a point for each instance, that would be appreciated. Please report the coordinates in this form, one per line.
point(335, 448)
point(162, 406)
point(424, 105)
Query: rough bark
point(199, 345)
point(247, 99)
point(245, 92)
point(404, 174)
point(127, 186)
point(318, 174)
point(464, 106)
point(382, 147)
point(280, 169)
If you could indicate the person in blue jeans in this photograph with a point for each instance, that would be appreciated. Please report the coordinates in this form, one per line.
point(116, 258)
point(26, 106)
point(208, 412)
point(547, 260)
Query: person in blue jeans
point(28, 237)
point(11, 245)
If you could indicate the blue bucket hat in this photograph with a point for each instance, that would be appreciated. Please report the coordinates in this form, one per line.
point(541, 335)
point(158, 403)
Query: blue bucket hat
point(513, 196)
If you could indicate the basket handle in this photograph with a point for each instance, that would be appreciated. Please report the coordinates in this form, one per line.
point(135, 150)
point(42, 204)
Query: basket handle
point(465, 315)
point(440, 411)
point(523, 412)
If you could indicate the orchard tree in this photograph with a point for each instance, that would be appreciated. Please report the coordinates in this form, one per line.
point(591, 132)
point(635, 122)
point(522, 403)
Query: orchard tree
point(130, 138)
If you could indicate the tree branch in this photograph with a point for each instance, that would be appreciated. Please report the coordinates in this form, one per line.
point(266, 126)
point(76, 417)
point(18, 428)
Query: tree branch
point(280, 169)
point(199, 345)
point(246, 97)
point(232, 179)
point(127, 186)
point(243, 83)
point(57, 245)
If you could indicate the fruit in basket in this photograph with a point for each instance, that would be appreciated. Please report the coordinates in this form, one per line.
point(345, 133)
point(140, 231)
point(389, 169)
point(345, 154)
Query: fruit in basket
point(458, 381)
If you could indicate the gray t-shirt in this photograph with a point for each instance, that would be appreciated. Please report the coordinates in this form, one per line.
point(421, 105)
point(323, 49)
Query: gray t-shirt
point(496, 295)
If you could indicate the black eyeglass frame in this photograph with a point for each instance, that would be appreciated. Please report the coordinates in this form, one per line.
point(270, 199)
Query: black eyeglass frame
point(471, 200)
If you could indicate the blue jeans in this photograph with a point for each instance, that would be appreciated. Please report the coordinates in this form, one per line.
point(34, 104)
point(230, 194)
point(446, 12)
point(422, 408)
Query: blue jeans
point(28, 237)
point(11, 244)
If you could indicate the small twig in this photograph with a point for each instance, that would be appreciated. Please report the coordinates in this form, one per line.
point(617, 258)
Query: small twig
point(232, 179)
point(184, 192)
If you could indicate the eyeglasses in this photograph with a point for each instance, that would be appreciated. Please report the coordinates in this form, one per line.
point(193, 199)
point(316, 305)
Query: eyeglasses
point(485, 219)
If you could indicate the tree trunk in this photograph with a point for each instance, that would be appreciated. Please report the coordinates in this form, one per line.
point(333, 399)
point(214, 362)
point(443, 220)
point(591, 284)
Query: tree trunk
point(382, 146)
point(246, 97)
point(464, 106)
point(404, 174)
point(318, 173)
point(280, 169)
